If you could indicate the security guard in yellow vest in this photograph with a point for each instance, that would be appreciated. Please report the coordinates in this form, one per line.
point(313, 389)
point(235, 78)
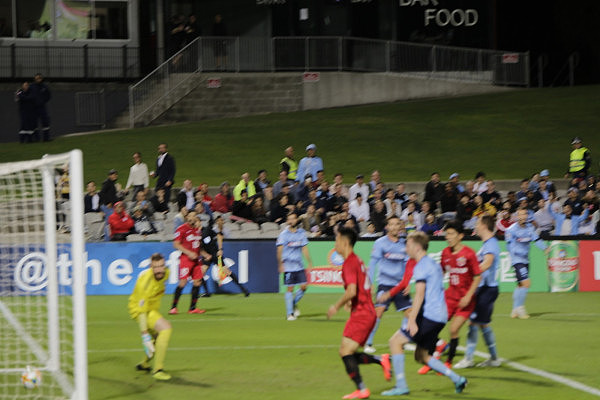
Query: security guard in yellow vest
point(288, 164)
point(580, 160)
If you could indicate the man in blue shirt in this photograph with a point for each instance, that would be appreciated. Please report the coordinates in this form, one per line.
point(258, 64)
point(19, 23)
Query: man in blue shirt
point(291, 245)
point(309, 165)
point(519, 237)
point(486, 295)
point(389, 258)
point(428, 316)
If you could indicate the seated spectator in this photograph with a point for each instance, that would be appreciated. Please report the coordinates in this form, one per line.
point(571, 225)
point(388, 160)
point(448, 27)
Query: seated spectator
point(543, 219)
point(491, 195)
point(482, 208)
point(241, 208)
point(302, 188)
point(91, 200)
point(179, 218)
point(338, 182)
point(160, 202)
point(261, 182)
point(434, 190)
point(223, 201)
point(534, 182)
point(244, 184)
point(351, 224)
point(337, 200)
point(430, 227)
point(377, 194)
point(259, 214)
point(319, 180)
point(503, 220)
point(370, 232)
point(359, 187)
point(278, 186)
point(524, 188)
point(464, 210)
point(392, 207)
point(480, 184)
point(400, 194)
point(545, 177)
point(410, 209)
point(454, 181)
point(185, 197)
point(414, 198)
point(359, 208)
point(328, 227)
point(378, 217)
point(469, 189)
point(449, 202)
point(567, 223)
point(311, 219)
point(574, 201)
point(120, 223)
point(203, 189)
point(523, 203)
point(375, 180)
point(203, 214)
point(410, 223)
point(426, 208)
point(144, 205)
point(543, 190)
point(219, 227)
point(280, 208)
point(142, 223)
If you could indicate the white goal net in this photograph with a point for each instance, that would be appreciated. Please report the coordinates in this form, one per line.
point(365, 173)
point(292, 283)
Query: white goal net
point(42, 308)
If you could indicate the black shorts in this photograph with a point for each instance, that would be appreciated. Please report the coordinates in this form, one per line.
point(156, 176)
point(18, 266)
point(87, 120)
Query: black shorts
point(294, 278)
point(401, 302)
point(522, 271)
point(484, 304)
point(427, 335)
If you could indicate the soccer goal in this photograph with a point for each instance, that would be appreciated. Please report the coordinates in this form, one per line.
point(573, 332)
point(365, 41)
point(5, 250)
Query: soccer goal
point(42, 308)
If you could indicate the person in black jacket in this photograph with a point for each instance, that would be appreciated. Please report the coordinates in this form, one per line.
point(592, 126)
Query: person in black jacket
point(41, 95)
point(24, 97)
point(165, 170)
point(108, 192)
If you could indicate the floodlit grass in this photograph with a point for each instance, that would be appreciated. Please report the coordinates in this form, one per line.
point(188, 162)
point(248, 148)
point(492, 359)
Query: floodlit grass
point(509, 135)
point(244, 348)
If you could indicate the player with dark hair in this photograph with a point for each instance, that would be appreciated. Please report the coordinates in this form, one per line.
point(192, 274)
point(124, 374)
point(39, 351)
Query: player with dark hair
point(144, 305)
point(291, 246)
point(362, 315)
point(486, 295)
point(426, 319)
point(188, 241)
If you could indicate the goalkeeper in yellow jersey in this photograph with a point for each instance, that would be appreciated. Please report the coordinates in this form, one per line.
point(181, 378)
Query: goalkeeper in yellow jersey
point(144, 304)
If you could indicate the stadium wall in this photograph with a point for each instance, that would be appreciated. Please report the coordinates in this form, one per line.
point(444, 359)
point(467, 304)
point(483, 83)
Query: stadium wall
point(112, 267)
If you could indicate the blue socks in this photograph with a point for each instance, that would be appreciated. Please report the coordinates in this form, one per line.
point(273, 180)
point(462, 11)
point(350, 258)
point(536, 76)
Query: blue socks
point(299, 295)
point(398, 363)
point(472, 338)
point(439, 366)
point(289, 303)
point(372, 335)
point(490, 341)
point(519, 295)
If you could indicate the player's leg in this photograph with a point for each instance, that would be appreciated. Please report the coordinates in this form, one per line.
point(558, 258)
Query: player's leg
point(397, 342)
point(163, 328)
point(203, 283)
point(457, 322)
point(183, 274)
point(235, 280)
point(347, 349)
point(289, 302)
point(472, 338)
point(379, 310)
point(301, 280)
point(197, 279)
point(520, 293)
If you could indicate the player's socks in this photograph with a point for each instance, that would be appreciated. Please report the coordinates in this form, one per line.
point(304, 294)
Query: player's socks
point(289, 303)
point(439, 366)
point(205, 286)
point(195, 294)
point(162, 342)
point(176, 296)
point(523, 296)
point(452, 349)
point(372, 334)
point(235, 280)
point(298, 296)
point(364, 358)
point(398, 363)
point(516, 297)
point(472, 338)
point(490, 341)
point(351, 364)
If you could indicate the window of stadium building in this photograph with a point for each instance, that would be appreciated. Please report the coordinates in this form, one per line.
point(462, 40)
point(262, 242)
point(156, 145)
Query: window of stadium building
point(6, 29)
point(72, 19)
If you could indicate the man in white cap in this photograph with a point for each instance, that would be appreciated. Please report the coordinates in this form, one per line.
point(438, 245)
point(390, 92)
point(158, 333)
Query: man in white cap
point(309, 164)
point(455, 181)
point(580, 160)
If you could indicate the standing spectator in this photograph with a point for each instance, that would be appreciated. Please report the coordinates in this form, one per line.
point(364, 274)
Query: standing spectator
point(464, 210)
point(165, 170)
point(359, 208)
point(543, 219)
point(378, 217)
point(574, 201)
point(120, 223)
point(543, 190)
point(244, 184)
point(434, 190)
point(283, 180)
point(359, 187)
point(579, 161)
point(91, 200)
point(288, 164)
point(449, 202)
point(545, 177)
point(185, 197)
point(524, 188)
point(159, 201)
point(480, 184)
point(177, 35)
point(192, 29)
point(310, 164)
point(223, 201)
point(534, 182)
point(567, 222)
point(138, 175)
point(261, 182)
point(375, 180)
point(41, 95)
point(454, 180)
point(491, 195)
point(108, 192)
point(220, 50)
point(400, 196)
point(24, 97)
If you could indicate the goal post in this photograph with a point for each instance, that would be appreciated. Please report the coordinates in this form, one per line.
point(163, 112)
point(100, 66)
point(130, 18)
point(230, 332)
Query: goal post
point(42, 309)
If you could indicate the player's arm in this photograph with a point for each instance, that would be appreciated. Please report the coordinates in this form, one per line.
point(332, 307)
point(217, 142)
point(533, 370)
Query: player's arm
point(220, 244)
point(375, 257)
point(279, 259)
point(142, 317)
point(191, 254)
point(416, 307)
point(469, 295)
point(402, 286)
point(306, 254)
point(540, 244)
point(348, 295)
point(488, 260)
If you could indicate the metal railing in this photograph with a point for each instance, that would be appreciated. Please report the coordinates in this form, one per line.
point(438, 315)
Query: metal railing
point(166, 84)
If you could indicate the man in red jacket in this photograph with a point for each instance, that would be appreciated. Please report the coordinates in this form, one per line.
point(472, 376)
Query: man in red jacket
point(120, 223)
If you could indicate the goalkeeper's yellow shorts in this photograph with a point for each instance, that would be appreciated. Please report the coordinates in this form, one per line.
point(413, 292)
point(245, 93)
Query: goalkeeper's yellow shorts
point(153, 317)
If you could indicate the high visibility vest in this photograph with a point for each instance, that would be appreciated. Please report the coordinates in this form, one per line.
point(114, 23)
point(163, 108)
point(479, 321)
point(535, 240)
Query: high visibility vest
point(293, 167)
point(577, 161)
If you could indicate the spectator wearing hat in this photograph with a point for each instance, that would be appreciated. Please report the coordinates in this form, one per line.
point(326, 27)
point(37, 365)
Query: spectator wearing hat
point(120, 223)
point(310, 164)
point(574, 201)
point(223, 201)
point(244, 184)
point(454, 179)
point(359, 187)
point(108, 192)
point(579, 161)
point(545, 177)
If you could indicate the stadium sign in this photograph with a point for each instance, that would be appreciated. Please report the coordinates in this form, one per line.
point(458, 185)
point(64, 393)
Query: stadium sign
point(444, 16)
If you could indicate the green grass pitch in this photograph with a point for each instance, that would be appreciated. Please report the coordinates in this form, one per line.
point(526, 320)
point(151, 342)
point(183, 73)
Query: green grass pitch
point(244, 348)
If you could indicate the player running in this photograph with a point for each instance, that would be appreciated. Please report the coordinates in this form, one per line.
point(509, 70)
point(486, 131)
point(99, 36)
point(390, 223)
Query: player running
point(291, 245)
point(519, 236)
point(389, 257)
point(427, 318)
point(362, 315)
point(486, 295)
point(144, 305)
point(187, 240)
